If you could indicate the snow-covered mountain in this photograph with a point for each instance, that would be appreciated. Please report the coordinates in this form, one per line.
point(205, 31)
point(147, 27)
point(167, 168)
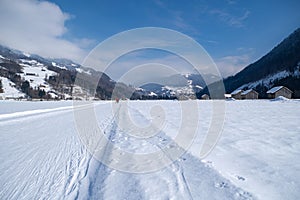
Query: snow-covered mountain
point(14, 54)
point(279, 67)
point(33, 76)
point(179, 85)
point(36, 77)
point(273, 79)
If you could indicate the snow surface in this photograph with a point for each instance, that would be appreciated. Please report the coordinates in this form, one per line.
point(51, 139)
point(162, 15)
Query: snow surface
point(41, 156)
point(187, 90)
point(80, 70)
point(268, 81)
point(26, 54)
point(38, 71)
point(56, 65)
point(9, 90)
point(198, 86)
point(259, 150)
point(280, 98)
point(152, 94)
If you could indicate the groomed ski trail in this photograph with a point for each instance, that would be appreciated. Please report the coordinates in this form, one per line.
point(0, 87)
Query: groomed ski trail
point(171, 182)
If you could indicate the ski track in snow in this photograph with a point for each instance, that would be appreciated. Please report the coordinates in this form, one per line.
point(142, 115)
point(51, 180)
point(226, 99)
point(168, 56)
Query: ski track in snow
point(167, 183)
point(42, 158)
point(113, 179)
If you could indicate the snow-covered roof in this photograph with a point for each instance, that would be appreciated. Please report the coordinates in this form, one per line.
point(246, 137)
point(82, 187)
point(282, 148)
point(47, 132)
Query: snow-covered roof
point(247, 91)
point(274, 89)
point(152, 94)
point(236, 91)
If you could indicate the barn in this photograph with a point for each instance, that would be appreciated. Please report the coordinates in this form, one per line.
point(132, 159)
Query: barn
point(249, 94)
point(237, 94)
point(279, 91)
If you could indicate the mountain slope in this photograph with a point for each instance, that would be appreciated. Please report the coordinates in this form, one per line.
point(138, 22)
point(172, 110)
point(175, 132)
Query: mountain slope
point(279, 67)
point(45, 78)
point(178, 85)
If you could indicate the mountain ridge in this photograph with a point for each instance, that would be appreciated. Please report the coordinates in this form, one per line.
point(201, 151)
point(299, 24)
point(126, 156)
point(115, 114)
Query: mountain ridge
point(284, 58)
point(54, 78)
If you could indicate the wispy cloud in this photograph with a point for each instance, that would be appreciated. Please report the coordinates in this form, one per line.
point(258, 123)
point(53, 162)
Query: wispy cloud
point(38, 27)
point(230, 19)
point(85, 43)
point(231, 64)
point(176, 18)
point(212, 42)
point(151, 69)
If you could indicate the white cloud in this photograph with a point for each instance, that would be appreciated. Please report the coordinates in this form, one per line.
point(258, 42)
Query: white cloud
point(230, 65)
point(37, 27)
point(150, 68)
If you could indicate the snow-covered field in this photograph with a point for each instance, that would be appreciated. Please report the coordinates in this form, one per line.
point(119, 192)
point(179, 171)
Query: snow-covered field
point(257, 156)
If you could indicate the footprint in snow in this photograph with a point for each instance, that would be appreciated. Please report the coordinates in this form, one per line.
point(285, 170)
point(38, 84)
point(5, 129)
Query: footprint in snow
point(221, 185)
point(244, 195)
point(207, 163)
point(240, 178)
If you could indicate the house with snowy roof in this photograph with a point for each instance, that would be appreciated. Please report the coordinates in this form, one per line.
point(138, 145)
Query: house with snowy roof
point(205, 97)
point(237, 94)
point(249, 94)
point(279, 91)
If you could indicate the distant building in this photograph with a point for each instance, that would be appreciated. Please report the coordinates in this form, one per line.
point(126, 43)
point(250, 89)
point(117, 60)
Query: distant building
point(205, 97)
point(30, 74)
point(182, 97)
point(279, 91)
point(227, 96)
point(237, 94)
point(249, 94)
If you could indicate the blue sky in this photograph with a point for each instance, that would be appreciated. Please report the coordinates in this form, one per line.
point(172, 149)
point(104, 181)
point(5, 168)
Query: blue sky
point(234, 32)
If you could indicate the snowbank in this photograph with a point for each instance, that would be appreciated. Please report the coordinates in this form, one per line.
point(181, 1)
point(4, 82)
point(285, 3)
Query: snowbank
point(280, 98)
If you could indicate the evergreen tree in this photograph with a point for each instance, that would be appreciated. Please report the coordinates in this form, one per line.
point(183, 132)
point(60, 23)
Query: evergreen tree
point(25, 87)
point(1, 89)
point(42, 93)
